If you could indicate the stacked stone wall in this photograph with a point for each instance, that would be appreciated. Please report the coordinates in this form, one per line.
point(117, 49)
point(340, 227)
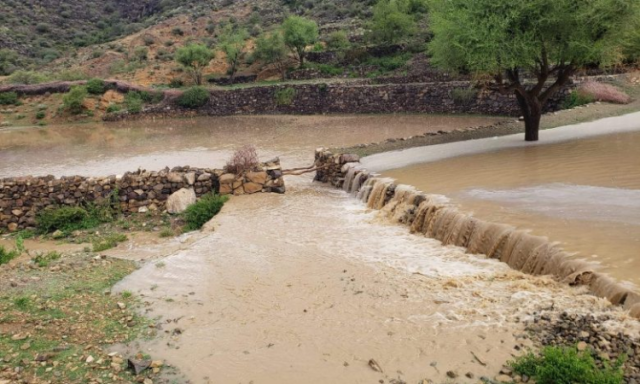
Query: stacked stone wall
point(21, 198)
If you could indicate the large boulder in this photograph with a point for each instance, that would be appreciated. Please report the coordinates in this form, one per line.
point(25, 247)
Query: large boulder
point(180, 200)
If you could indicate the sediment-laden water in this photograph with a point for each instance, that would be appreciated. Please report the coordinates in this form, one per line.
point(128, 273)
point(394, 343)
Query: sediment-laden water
point(311, 285)
point(104, 149)
point(584, 194)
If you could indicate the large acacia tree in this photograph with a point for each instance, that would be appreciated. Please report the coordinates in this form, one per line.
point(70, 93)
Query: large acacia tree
point(544, 40)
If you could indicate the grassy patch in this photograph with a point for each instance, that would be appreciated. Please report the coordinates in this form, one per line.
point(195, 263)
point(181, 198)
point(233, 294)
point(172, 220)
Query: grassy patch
point(8, 98)
point(203, 210)
point(61, 318)
point(567, 365)
point(44, 259)
point(69, 219)
point(108, 242)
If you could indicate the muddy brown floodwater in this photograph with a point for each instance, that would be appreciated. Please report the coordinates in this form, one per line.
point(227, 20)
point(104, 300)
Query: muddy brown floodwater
point(583, 193)
point(103, 149)
point(311, 285)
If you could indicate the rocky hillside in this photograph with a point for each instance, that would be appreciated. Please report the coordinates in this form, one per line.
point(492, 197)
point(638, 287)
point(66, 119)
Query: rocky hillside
point(35, 33)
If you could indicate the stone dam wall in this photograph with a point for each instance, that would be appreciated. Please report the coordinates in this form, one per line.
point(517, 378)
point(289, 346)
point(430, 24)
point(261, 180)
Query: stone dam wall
point(430, 216)
point(21, 198)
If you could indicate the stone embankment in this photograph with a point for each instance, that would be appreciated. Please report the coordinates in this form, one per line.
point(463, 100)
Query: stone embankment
point(21, 198)
point(430, 216)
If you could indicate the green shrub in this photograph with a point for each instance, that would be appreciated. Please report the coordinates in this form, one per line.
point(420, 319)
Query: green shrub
point(194, 97)
point(70, 75)
point(64, 218)
point(176, 83)
point(133, 102)
point(338, 41)
point(74, 99)
point(177, 31)
point(96, 86)
point(41, 115)
point(8, 98)
point(113, 108)
point(203, 210)
point(566, 365)
point(463, 95)
point(285, 96)
point(389, 63)
point(576, 99)
point(329, 69)
point(27, 77)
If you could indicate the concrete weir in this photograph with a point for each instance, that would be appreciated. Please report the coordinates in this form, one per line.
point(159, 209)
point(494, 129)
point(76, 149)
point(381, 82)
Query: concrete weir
point(433, 217)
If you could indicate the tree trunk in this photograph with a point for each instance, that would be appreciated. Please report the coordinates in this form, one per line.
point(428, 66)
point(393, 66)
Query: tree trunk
point(531, 109)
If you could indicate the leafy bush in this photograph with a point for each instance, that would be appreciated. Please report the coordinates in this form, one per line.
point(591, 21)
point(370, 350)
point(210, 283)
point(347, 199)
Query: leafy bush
point(203, 210)
point(96, 86)
point(71, 75)
point(176, 83)
point(563, 365)
point(576, 99)
point(243, 159)
point(64, 219)
point(74, 99)
point(285, 96)
point(41, 115)
point(603, 92)
point(194, 97)
point(69, 219)
point(8, 98)
point(329, 69)
point(141, 53)
point(177, 31)
point(133, 102)
point(338, 41)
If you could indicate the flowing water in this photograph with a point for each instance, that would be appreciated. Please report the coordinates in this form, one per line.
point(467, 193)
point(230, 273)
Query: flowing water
point(307, 286)
point(584, 194)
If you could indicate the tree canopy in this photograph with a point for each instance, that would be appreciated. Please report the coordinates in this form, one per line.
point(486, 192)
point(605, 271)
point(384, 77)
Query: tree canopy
point(544, 39)
point(394, 20)
point(271, 49)
point(298, 34)
point(195, 57)
point(232, 43)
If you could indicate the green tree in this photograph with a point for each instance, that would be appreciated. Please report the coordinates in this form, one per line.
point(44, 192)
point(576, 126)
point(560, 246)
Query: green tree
point(547, 40)
point(232, 43)
point(298, 34)
point(272, 50)
point(392, 22)
point(195, 57)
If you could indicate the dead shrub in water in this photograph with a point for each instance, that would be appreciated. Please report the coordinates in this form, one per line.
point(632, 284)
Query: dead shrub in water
point(603, 92)
point(243, 159)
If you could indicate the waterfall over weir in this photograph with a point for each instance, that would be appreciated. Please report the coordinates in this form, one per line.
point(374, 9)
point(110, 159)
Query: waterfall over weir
point(432, 216)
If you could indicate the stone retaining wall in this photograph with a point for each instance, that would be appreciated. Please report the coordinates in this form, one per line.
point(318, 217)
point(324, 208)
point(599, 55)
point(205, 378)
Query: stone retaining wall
point(21, 198)
point(348, 98)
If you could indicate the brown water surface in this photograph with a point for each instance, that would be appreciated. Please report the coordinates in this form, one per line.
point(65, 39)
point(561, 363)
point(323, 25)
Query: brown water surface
point(583, 193)
point(103, 149)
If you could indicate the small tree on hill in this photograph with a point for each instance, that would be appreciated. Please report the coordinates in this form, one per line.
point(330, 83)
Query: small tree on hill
point(392, 22)
point(272, 50)
point(299, 33)
point(546, 39)
point(195, 58)
point(232, 43)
